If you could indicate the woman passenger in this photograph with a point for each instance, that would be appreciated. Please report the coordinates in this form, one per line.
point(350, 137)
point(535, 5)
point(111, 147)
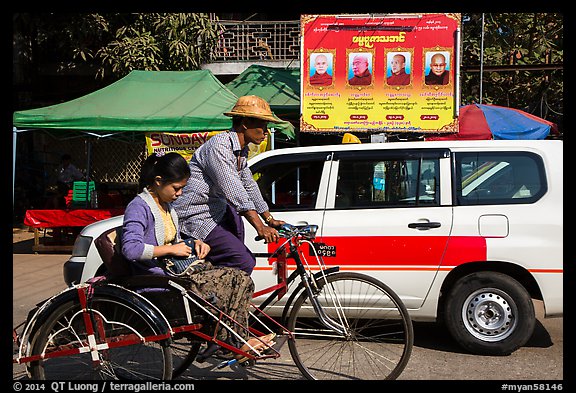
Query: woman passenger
point(150, 232)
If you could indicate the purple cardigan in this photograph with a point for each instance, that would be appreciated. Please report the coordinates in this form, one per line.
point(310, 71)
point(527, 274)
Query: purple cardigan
point(143, 229)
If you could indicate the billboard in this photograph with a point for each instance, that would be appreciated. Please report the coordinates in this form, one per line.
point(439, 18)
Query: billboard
point(398, 72)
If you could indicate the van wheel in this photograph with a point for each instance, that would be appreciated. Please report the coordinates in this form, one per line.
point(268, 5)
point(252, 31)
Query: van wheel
point(490, 313)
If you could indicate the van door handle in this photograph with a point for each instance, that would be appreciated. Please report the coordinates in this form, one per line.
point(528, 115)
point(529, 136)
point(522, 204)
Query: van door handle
point(424, 225)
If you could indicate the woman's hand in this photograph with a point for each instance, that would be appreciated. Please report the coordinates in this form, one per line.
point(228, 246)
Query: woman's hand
point(202, 249)
point(180, 249)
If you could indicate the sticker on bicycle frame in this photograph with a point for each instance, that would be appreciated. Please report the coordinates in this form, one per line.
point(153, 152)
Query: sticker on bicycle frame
point(324, 250)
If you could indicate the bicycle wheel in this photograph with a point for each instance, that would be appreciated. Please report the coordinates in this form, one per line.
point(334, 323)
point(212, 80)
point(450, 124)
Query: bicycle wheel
point(378, 337)
point(184, 351)
point(185, 345)
point(115, 322)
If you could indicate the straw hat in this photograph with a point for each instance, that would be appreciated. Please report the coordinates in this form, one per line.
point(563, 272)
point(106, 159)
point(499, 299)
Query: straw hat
point(253, 106)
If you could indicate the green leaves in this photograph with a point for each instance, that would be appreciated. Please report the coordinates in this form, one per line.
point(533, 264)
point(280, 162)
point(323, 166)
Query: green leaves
point(159, 41)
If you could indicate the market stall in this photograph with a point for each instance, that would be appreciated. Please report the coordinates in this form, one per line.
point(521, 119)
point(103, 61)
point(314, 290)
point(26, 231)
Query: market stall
point(139, 103)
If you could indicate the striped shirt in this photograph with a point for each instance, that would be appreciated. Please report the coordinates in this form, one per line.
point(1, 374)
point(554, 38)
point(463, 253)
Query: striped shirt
point(219, 175)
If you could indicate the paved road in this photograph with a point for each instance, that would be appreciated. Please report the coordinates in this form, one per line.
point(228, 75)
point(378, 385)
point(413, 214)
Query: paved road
point(435, 355)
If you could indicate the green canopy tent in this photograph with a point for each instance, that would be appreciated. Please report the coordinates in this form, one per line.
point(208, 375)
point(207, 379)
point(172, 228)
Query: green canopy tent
point(142, 101)
point(170, 101)
point(279, 86)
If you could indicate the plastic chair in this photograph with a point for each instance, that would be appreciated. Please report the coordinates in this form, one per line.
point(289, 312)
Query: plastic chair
point(82, 192)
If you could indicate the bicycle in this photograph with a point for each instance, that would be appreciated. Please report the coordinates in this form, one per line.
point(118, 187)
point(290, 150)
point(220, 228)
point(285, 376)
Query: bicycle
point(151, 327)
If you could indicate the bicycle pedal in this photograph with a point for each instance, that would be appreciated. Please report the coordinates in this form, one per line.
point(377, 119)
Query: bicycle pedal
point(248, 363)
point(244, 362)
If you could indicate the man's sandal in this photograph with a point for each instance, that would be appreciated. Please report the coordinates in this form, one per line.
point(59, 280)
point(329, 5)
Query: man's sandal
point(257, 343)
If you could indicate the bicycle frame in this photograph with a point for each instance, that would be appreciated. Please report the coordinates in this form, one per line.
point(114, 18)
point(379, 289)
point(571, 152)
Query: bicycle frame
point(295, 237)
point(83, 293)
point(307, 281)
point(93, 321)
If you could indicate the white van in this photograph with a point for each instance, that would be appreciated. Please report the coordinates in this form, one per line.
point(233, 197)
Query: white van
point(466, 232)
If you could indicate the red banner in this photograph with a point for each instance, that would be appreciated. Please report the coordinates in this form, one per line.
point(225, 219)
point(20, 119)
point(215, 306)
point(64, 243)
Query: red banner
point(392, 73)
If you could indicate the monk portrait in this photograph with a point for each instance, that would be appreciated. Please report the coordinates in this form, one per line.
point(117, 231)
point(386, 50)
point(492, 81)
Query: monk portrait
point(321, 77)
point(398, 76)
point(360, 68)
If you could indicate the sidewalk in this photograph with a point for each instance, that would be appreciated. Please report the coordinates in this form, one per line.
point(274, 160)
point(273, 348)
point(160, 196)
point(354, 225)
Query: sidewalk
point(22, 240)
point(34, 278)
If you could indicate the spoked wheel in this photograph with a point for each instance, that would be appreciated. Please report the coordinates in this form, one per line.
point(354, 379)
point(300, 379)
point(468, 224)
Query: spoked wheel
point(376, 339)
point(184, 345)
point(115, 323)
point(184, 351)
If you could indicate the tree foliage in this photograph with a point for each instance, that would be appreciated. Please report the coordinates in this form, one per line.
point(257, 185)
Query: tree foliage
point(160, 41)
point(115, 43)
point(515, 39)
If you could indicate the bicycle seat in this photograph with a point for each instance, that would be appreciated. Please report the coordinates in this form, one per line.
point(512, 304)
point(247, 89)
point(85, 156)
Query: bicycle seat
point(108, 245)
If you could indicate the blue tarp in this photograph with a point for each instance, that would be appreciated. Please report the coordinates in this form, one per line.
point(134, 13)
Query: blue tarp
point(482, 121)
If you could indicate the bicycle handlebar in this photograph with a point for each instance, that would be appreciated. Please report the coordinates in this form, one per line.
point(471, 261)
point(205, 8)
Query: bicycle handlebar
point(288, 230)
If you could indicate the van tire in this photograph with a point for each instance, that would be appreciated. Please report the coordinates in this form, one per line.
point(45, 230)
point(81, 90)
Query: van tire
point(490, 313)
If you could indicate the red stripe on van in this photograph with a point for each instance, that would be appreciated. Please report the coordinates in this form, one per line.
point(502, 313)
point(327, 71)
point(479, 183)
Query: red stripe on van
point(546, 271)
point(403, 250)
point(462, 249)
point(370, 269)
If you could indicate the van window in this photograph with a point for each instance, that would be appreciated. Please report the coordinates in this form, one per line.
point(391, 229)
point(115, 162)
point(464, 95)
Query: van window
point(499, 178)
point(387, 182)
point(289, 186)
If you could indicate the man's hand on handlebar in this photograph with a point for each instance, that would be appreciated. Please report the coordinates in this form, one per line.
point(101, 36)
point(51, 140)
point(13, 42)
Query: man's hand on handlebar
point(269, 234)
point(276, 223)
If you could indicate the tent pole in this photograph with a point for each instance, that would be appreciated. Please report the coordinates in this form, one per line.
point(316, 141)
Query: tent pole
point(14, 136)
point(481, 58)
point(272, 148)
point(15, 132)
point(89, 159)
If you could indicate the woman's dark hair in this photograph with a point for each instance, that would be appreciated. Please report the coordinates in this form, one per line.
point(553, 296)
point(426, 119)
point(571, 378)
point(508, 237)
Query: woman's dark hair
point(171, 167)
